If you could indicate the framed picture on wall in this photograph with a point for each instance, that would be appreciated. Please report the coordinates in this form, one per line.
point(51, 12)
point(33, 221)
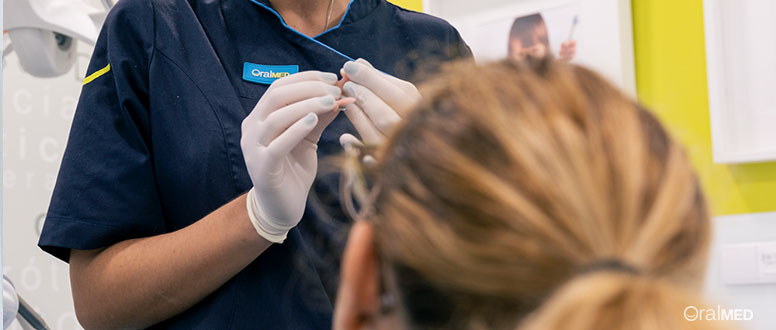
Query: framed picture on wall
point(525, 32)
point(741, 74)
point(593, 33)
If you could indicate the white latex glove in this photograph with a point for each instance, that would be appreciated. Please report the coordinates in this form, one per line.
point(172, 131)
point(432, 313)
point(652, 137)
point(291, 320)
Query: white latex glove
point(381, 100)
point(279, 145)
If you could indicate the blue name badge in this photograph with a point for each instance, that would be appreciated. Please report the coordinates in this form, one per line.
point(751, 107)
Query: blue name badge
point(266, 74)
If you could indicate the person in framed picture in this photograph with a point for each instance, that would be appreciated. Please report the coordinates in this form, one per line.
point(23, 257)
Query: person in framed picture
point(528, 37)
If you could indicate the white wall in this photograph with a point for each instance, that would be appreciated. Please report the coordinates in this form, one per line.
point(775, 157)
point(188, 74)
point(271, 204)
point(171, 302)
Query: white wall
point(36, 119)
point(760, 298)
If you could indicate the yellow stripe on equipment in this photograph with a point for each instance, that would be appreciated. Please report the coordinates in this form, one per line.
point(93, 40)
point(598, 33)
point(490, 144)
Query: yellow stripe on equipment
point(96, 74)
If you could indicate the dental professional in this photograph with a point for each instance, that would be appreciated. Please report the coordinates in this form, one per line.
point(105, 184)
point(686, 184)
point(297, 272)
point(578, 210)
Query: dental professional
point(182, 197)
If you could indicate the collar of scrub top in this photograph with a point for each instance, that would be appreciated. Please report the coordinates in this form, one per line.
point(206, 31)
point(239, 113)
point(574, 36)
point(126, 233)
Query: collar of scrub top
point(266, 5)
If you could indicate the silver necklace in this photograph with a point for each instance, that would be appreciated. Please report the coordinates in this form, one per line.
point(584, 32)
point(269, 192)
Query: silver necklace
point(328, 15)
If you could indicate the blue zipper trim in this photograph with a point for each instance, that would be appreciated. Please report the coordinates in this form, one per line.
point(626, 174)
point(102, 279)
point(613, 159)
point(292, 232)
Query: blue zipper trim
point(302, 34)
point(340, 22)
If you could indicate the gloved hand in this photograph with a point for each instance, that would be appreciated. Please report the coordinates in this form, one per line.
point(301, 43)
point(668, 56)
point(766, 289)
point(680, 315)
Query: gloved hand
point(381, 100)
point(279, 144)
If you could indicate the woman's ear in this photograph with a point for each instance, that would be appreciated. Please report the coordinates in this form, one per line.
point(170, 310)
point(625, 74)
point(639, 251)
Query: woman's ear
point(358, 299)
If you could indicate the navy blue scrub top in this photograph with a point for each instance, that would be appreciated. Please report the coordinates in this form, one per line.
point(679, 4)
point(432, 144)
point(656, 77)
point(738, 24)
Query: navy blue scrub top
point(155, 142)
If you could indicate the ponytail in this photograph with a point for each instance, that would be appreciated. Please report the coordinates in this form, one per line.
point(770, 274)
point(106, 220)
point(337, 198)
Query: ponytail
point(616, 300)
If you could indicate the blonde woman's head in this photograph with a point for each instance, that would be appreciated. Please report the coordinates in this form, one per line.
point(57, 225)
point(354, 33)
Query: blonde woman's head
point(530, 194)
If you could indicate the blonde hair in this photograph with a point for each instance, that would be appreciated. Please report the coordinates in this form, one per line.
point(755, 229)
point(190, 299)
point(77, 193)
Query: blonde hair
point(496, 195)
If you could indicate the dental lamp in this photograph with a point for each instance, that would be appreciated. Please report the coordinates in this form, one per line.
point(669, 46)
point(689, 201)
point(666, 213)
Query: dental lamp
point(44, 33)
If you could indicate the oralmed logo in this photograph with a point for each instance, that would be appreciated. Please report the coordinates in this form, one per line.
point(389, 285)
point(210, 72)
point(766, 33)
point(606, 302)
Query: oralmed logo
point(266, 74)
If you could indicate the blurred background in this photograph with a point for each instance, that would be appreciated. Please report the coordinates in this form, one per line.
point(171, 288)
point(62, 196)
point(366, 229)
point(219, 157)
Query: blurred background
point(706, 68)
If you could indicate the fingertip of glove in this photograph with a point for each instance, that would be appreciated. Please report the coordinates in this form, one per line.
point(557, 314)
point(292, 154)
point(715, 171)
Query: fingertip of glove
point(364, 62)
point(334, 90)
point(310, 119)
point(349, 87)
point(327, 101)
point(351, 68)
point(329, 77)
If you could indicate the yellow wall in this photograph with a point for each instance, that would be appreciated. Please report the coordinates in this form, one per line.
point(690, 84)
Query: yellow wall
point(671, 79)
point(416, 5)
